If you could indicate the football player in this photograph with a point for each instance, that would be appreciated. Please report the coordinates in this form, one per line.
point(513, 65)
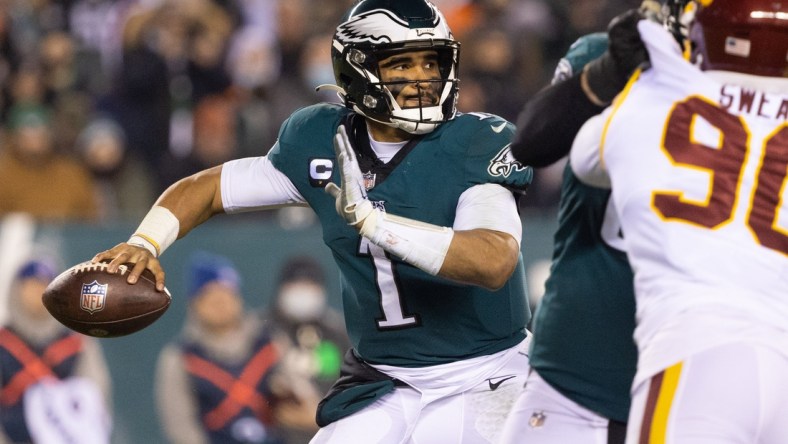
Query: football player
point(418, 204)
point(695, 153)
point(582, 354)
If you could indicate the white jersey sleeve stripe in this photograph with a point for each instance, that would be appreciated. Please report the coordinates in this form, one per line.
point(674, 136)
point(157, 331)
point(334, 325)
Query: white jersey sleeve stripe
point(611, 112)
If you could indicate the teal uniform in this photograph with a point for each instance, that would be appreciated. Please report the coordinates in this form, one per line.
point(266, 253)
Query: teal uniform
point(395, 313)
point(583, 327)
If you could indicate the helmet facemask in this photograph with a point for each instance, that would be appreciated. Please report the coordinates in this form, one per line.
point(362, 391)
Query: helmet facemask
point(678, 15)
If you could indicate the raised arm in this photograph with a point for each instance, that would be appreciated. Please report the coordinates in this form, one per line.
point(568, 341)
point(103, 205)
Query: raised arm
point(593, 72)
point(549, 122)
point(481, 257)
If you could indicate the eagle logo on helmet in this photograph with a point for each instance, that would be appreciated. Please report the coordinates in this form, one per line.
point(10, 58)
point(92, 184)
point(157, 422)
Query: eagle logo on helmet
point(373, 26)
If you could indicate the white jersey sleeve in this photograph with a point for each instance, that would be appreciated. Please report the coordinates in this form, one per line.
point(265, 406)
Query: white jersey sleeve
point(254, 183)
point(489, 206)
point(585, 157)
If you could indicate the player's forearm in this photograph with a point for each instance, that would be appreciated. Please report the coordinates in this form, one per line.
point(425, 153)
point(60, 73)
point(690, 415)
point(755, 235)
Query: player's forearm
point(183, 206)
point(194, 199)
point(478, 257)
point(481, 257)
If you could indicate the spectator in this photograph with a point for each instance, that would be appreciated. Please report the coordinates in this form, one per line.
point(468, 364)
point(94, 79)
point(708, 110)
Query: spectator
point(491, 62)
point(36, 179)
point(214, 140)
point(9, 55)
point(124, 187)
point(59, 70)
point(172, 55)
point(253, 62)
point(27, 87)
point(315, 332)
point(222, 353)
point(54, 383)
point(93, 25)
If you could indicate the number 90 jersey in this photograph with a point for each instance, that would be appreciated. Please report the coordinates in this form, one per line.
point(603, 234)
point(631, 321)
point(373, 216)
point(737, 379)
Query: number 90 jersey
point(395, 313)
point(697, 162)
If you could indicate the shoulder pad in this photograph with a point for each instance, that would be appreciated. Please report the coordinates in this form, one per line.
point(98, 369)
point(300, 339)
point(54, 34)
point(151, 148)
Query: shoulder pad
point(312, 115)
point(582, 51)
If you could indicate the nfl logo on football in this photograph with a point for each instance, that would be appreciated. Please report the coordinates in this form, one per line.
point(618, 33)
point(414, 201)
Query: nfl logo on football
point(93, 296)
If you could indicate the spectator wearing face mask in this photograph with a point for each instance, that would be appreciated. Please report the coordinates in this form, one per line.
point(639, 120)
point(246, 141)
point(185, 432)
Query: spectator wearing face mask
point(300, 314)
point(312, 332)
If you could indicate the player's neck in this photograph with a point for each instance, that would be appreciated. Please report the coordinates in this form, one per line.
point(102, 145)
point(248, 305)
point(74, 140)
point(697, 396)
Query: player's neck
point(384, 133)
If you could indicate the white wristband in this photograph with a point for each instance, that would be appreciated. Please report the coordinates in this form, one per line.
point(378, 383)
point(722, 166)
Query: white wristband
point(420, 244)
point(157, 231)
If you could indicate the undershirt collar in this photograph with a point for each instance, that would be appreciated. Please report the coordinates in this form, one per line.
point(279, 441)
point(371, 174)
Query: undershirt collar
point(385, 150)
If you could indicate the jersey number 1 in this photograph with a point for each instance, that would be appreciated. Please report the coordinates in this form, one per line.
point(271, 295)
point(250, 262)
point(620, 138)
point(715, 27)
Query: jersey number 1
point(725, 165)
point(386, 281)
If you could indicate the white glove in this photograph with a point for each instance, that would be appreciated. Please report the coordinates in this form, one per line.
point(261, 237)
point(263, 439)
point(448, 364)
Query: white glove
point(351, 199)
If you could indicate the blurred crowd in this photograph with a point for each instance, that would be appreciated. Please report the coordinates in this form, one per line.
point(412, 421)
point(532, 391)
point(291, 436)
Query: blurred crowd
point(105, 103)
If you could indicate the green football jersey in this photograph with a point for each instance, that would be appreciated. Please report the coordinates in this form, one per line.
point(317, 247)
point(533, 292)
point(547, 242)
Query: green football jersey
point(583, 345)
point(395, 313)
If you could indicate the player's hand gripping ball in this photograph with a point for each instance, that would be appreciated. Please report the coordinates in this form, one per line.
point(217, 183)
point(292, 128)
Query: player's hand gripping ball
point(90, 300)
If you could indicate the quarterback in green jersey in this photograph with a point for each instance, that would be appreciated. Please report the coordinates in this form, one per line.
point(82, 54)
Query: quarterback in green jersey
point(418, 204)
point(583, 354)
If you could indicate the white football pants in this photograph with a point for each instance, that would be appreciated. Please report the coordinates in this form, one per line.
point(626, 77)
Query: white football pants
point(474, 416)
point(732, 394)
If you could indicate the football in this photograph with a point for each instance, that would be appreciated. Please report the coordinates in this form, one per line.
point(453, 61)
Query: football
point(90, 300)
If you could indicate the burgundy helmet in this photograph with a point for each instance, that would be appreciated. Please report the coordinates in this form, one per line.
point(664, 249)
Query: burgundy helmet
point(747, 36)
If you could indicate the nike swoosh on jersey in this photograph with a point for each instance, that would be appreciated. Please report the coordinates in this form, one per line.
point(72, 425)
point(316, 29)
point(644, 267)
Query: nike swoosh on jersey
point(494, 385)
point(499, 128)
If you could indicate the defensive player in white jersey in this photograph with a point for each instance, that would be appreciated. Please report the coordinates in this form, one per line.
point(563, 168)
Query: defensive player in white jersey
point(697, 157)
